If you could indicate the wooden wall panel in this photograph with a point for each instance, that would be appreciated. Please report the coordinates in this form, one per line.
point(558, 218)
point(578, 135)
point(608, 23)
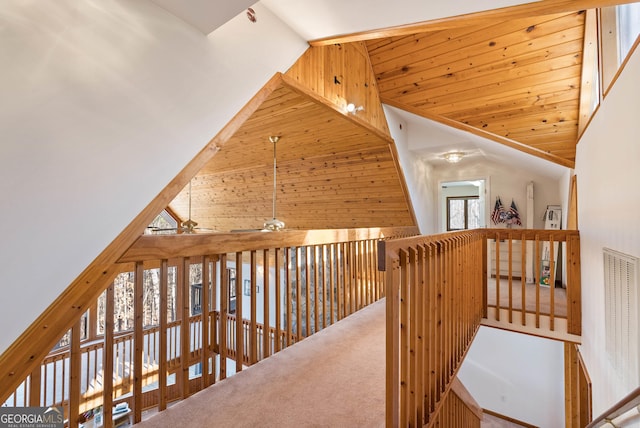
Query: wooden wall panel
point(334, 170)
point(342, 73)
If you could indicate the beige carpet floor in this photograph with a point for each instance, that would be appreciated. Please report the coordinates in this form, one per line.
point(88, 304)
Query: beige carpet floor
point(344, 388)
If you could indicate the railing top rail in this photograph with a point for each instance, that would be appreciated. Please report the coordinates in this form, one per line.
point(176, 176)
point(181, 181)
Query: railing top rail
point(629, 402)
point(157, 247)
point(532, 234)
point(390, 247)
point(500, 233)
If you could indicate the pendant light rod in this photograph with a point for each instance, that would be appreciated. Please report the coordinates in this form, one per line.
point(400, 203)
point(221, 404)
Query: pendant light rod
point(274, 140)
point(274, 224)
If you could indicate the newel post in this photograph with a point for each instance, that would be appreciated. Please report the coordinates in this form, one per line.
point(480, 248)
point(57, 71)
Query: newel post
point(574, 287)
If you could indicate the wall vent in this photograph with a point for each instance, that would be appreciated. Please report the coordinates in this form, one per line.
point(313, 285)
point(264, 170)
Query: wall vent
point(622, 303)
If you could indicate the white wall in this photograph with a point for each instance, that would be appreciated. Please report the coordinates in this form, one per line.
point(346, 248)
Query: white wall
point(103, 103)
point(508, 183)
point(607, 167)
point(517, 375)
point(418, 175)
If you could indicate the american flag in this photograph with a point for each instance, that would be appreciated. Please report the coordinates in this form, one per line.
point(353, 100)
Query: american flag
point(497, 216)
point(513, 215)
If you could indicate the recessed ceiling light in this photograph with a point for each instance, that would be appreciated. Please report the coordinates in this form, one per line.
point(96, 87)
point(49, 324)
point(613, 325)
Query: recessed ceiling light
point(453, 157)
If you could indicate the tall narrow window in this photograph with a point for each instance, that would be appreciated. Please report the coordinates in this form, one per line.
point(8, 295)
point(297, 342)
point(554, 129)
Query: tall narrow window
point(463, 212)
point(628, 28)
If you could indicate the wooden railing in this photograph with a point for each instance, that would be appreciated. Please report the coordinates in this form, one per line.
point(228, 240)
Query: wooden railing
point(434, 308)
point(441, 288)
point(283, 286)
point(526, 291)
point(619, 415)
point(459, 409)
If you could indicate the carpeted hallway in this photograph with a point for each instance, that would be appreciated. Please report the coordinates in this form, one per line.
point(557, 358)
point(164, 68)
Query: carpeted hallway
point(343, 388)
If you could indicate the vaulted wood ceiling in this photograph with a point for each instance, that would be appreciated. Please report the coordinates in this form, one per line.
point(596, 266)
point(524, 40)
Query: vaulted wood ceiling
point(333, 170)
point(517, 81)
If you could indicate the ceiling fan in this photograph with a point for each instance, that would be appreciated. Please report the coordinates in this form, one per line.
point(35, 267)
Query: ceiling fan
point(187, 226)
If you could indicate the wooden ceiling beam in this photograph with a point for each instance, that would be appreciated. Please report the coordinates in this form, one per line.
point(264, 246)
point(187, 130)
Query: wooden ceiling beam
point(538, 8)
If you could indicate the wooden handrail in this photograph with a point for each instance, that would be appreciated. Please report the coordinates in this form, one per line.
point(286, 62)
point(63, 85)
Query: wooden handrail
point(434, 307)
point(629, 402)
point(311, 267)
point(159, 247)
point(452, 270)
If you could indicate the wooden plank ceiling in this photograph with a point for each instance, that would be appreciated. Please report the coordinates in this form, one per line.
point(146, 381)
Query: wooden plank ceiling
point(333, 171)
point(518, 79)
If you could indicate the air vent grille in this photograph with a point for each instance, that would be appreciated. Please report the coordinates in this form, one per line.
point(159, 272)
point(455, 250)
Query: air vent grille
point(621, 311)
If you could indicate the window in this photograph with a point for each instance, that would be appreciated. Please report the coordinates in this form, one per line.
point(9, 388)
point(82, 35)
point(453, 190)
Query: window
point(463, 212)
point(619, 29)
point(628, 27)
point(164, 223)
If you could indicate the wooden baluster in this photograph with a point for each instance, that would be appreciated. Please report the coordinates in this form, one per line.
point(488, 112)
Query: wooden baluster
point(332, 282)
point(138, 344)
point(316, 286)
point(224, 315)
point(185, 328)
point(412, 306)
point(213, 316)
point(107, 358)
point(239, 315)
point(253, 334)
point(277, 265)
point(353, 284)
point(343, 298)
point(440, 307)
point(420, 285)
point(523, 280)
point(35, 384)
point(373, 280)
point(205, 314)
point(537, 277)
point(323, 284)
point(266, 333)
point(298, 294)
point(393, 358)
point(510, 277)
point(75, 369)
point(574, 293)
point(404, 340)
point(430, 309)
point(552, 282)
point(355, 276)
point(307, 289)
point(485, 276)
point(288, 294)
point(339, 265)
point(162, 363)
point(497, 250)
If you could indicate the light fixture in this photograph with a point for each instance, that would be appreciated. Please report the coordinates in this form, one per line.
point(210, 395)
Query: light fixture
point(351, 108)
point(274, 224)
point(453, 157)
